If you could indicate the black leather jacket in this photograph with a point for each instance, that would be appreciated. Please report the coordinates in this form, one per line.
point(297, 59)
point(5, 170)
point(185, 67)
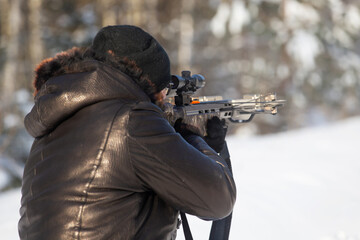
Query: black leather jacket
point(105, 164)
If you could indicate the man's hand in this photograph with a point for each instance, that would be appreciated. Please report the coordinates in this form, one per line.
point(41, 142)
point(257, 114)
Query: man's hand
point(216, 132)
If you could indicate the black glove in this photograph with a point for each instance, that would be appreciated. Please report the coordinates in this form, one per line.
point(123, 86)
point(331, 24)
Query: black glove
point(185, 129)
point(216, 132)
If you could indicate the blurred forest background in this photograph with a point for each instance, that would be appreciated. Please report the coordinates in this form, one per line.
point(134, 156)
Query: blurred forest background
point(306, 51)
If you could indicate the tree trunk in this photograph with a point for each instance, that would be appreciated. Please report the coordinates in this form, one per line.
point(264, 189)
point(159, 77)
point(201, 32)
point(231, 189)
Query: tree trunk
point(135, 15)
point(36, 49)
point(107, 12)
point(12, 39)
point(186, 35)
point(4, 9)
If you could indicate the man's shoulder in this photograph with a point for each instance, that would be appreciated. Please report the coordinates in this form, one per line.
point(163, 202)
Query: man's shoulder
point(146, 106)
point(147, 118)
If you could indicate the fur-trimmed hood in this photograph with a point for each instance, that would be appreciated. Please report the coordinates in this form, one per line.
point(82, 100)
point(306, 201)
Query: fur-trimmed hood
point(72, 83)
point(63, 63)
point(67, 62)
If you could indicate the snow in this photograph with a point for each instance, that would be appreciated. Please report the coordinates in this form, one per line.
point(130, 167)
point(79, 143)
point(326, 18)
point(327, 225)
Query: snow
point(4, 177)
point(11, 120)
point(304, 47)
point(9, 209)
point(298, 14)
point(352, 19)
point(236, 15)
point(295, 185)
point(239, 17)
point(218, 23)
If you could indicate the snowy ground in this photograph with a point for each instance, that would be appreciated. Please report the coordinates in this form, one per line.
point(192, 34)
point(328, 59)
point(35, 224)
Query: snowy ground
point(299, 185)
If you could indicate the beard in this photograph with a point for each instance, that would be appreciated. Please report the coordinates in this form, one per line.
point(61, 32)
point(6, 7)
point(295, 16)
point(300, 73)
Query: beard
point(158, 100)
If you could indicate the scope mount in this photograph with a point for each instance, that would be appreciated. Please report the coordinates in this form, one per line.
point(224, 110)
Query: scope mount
point(185, 86)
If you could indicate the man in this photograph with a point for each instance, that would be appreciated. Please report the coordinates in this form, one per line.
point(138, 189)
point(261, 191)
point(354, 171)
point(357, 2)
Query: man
point(105, 164)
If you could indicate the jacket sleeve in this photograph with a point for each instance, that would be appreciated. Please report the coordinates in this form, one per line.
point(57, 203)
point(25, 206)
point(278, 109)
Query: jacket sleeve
point(189, 175)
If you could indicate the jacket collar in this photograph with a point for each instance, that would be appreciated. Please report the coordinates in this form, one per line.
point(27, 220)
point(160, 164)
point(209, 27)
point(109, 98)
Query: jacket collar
point(62, 96)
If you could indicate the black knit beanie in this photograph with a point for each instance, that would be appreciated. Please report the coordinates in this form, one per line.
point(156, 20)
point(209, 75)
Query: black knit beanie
point(133, 43)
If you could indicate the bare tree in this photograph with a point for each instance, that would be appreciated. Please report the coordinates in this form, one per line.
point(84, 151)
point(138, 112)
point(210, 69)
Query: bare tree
point(135, 14)
point(186, 35)
point(36, 49)
point(11, 36)
point(107, 12)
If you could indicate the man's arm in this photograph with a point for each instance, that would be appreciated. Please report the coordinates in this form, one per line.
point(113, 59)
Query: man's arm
point(189, 175)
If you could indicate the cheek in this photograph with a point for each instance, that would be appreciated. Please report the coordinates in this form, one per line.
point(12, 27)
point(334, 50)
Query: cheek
point(163, 93)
